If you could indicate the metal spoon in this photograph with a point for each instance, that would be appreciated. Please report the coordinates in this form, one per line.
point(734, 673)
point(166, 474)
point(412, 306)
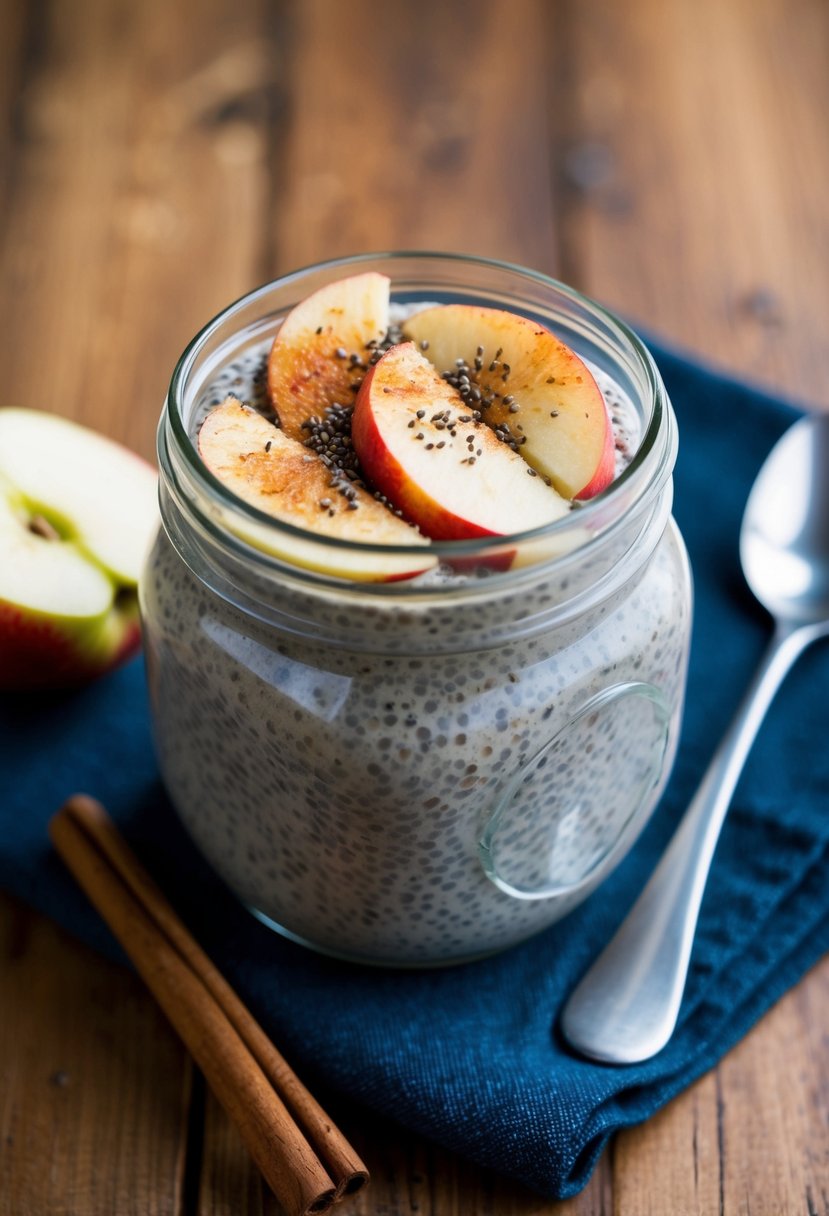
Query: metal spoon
point(625, 1008)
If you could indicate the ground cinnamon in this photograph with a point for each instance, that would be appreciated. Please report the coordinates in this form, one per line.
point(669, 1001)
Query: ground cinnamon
point(304, 1158)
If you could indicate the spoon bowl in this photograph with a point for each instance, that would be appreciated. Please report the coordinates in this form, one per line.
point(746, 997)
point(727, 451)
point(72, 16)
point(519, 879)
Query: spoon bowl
point(625, 1008)
point(784, 543)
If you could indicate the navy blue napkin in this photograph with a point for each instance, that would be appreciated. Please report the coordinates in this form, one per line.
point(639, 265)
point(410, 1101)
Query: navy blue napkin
point(469, 1056)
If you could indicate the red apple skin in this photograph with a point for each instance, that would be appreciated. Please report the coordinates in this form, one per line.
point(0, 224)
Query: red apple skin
point(36, 654)
point(605, 472)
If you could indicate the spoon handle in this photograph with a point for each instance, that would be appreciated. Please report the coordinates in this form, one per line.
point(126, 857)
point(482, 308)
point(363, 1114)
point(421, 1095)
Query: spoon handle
point(625, 1008)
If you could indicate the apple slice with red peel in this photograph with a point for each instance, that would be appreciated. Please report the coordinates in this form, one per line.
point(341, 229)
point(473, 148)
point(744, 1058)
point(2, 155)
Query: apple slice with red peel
point(77, 515)
point(322, 350)
point(533, 384)
point(275, 473)
point(448, 473)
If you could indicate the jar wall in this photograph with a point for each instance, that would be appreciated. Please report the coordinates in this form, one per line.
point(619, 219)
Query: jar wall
point(343, 794)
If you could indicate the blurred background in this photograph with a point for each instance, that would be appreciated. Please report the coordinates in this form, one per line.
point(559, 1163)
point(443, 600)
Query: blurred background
point(669, 157)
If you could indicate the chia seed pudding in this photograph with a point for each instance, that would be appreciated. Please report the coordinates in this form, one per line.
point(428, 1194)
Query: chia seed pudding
point(422, 772)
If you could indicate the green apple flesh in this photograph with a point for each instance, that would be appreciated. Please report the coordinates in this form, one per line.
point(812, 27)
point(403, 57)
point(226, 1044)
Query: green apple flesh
point(77, 515)
point(534, 384)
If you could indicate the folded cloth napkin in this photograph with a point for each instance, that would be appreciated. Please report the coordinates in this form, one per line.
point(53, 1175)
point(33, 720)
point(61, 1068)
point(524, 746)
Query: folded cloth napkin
point(470, 1056)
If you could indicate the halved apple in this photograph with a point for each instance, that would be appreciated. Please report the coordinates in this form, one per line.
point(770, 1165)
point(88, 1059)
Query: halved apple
point(448, 473)
point(77, 515)
point(530, 382)
point(275, 473)
point(322, 350)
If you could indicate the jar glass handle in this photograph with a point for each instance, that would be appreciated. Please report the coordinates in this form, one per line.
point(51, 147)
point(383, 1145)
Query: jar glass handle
point(569, 813)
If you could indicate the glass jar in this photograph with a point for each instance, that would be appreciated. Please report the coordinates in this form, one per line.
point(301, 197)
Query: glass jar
point(417, 772)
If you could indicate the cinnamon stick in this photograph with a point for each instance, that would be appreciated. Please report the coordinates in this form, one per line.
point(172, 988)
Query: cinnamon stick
point(306, 1161)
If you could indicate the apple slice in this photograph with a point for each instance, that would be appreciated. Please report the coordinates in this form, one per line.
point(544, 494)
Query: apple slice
point(77, 515)
point(275, 473)
point(448, 473)
point(529, 382)
point(322, 350)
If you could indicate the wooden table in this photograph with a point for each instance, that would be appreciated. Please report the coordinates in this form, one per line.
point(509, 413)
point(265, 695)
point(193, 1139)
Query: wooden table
point(666, 156)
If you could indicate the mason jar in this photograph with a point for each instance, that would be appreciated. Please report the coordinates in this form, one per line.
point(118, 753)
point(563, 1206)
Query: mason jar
point(423, 771)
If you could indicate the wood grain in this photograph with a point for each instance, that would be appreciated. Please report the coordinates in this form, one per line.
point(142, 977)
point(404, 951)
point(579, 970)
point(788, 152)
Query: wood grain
point(669, 158)
point(419, 148)
point(94, 1087)
point(138, 197)
point(697, 171)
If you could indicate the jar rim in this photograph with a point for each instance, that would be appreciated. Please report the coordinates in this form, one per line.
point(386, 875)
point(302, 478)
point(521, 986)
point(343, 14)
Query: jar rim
point(639, 473)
